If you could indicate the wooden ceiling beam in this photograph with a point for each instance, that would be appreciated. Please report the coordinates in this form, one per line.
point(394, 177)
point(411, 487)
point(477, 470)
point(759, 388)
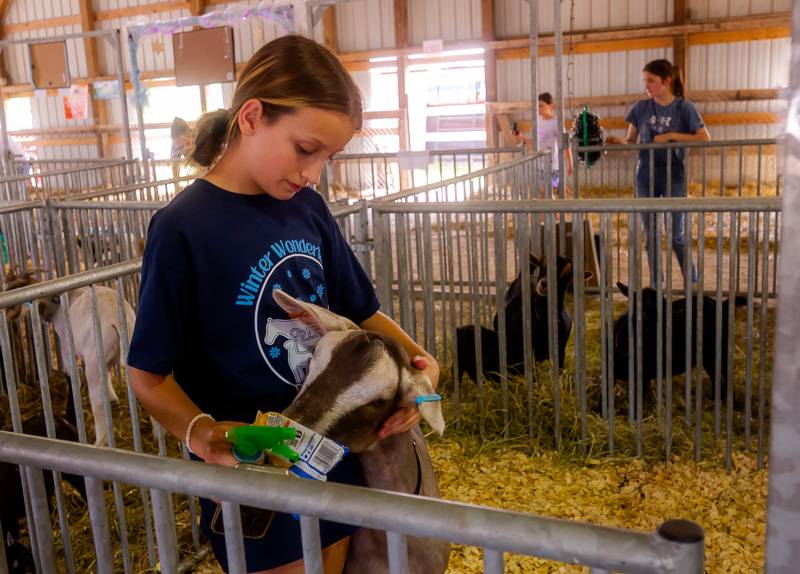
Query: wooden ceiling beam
point(724, 119)
point(715, 96)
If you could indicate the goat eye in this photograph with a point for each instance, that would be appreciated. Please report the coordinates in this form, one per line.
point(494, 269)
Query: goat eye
point(379, 403)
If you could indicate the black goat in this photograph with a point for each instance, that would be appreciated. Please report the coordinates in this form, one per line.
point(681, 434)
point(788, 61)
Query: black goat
point(678, 338)
point(540, 328)
point(12, 505)
point(515, 349)
point(490, 352)
point(18, 556)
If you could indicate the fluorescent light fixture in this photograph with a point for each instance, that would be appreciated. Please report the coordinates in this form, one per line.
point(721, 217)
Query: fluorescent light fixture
point(464, 52)
point(383, 59)
point(449, 53)
point(383, 70)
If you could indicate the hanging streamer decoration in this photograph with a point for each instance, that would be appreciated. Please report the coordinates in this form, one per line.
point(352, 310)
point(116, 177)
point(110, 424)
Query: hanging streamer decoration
point(588, 131)
point(281, 14)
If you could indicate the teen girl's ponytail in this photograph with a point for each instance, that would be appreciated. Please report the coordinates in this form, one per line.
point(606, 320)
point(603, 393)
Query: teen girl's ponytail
point(677, 82)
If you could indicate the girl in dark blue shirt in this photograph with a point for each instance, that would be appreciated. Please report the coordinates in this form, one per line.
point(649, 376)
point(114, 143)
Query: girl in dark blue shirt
point(664, 117)
point(211, 347)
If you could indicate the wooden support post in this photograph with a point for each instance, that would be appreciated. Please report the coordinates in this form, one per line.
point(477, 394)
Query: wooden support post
point(330, 37)
point(506, 134)
point(4, 4)
point(489, 64)
point(680, 53)
point(401, 42)
point(196, 7)
point(99, 112)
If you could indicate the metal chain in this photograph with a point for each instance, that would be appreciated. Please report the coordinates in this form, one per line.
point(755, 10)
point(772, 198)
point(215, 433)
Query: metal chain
point(571, 59)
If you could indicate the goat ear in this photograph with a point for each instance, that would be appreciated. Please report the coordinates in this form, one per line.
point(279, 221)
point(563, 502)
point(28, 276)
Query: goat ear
point(415, 384)
point(587, 275)
point(320, 320)
point(535, 261)
point(622, 288)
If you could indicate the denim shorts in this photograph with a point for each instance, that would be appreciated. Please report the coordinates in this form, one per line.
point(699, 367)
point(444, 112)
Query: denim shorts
point(279, 543)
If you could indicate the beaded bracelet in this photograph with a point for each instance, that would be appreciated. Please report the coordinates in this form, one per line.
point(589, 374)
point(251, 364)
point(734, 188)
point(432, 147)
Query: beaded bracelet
point(191, 426)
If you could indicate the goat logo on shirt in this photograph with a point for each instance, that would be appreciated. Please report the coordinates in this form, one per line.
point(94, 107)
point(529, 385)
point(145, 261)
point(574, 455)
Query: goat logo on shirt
point(660, 124)
point(299, 344)
point(285, 344)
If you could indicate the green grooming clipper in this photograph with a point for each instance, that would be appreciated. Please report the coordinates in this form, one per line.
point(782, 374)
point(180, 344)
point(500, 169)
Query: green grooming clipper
point(250, 442)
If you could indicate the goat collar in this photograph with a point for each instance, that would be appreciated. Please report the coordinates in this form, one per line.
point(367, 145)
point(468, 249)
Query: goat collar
point(419, 468)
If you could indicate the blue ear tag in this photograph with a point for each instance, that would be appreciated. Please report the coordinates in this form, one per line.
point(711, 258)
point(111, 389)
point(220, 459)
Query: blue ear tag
point(428, 398)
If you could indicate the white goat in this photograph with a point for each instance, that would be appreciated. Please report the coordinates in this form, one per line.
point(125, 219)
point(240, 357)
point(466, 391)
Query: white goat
point(80, 318)
point(356, 379)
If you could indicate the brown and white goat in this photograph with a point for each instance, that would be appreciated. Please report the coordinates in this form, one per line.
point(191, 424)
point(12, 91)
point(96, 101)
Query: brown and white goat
point(80, 318)
point(356, 380)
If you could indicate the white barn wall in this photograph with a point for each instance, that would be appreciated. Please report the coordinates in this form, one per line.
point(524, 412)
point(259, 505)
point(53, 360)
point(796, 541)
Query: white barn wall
point(369, 25)
point(600, 74)
point(449, 20)
point(512, 17)
point(701, 9)
point(365, 25)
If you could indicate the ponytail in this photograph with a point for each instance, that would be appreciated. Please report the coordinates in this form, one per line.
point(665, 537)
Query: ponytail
point(212, 129)
point(664, 69)
point(677, 82)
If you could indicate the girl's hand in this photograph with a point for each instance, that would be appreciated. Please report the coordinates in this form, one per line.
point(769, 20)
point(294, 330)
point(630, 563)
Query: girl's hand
point(209, 442)
point(662, 138)
point(405, 418)
point(614, 140)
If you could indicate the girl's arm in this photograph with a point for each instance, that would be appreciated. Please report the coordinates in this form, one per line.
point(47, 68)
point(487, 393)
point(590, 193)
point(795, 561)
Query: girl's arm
point(166, 401)
point(525, 140)
point(405, 418)
point(630, 138)
point(700, 135)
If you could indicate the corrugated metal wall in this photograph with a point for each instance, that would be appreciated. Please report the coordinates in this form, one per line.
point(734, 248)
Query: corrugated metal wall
point(365, 25)
point(730, 8)
point(369, 24)
point(17, 59)
point(449, 20)
point(594, 74)
point(512, 17)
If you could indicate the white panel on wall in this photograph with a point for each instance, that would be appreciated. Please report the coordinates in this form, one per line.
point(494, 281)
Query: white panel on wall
point(23, 11)
point(702, 9)
point(756, 64)
point(512, 16)
point(365, 25)
point(450, 20)
point(593, 75)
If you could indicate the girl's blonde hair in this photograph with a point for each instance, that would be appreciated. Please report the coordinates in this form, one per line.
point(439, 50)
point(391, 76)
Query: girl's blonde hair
point(287, 73)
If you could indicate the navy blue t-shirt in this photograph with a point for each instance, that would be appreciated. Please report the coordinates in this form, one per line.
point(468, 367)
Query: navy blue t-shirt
point(651, 119)
point(206, 311)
